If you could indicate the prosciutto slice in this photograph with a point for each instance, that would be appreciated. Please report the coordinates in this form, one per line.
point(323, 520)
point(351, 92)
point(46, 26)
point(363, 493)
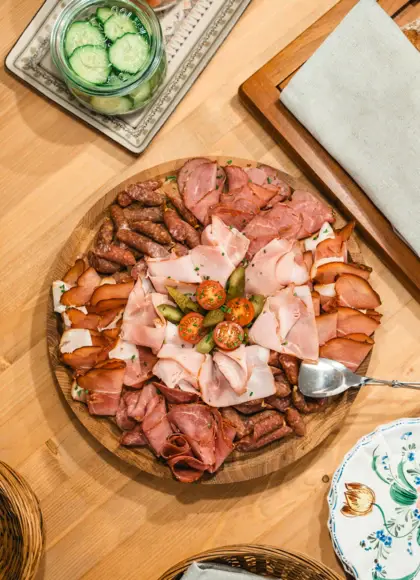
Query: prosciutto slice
point(287, 324)
point(104, 383)
point(313, 211)
point(187, 469)
point(230, 240)
point(350, 353)
point(134, 438)
point(351, 321)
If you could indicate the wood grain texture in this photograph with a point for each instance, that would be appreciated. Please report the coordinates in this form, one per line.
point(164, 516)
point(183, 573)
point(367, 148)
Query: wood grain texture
point(261, 93)
point(103, 518)
point(239, 466)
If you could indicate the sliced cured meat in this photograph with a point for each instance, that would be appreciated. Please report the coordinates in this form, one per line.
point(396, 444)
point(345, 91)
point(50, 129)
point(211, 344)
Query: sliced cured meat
point(181, 269)
point(290, 365)
point(161, 283)
point(75, 338)
point(201, 209)
point(271, 179)
point(220, 178)
point(171, 191)
point(201, 181)
point(179, 250)
point(156, 426)
point(179, 367)
point(268, 424)
point(81, 294)
point(345, 232)
point(85, 357)
point(313, 211)
point(138, 402)
point(74, 273)
point(330, 250)
point(350, 320)
point(261, 273)
point(253, 407)
point(326, 292)
point(373, 314)
point(307, 405)
point(104, 383)
point(356, 292)
point(263, 194)
point(197, 423)
point(139, 362)
point(232, 243)
point(350, 353)
point(309, 260)
point(279, 403)
point(280, 221)
point(78, 319)
point(187, 469)
point(326, 232)
point(124, 422)
point(234, 215)
point(176, 445)
point(134, 438)
point(186, 170)
point(282, 386)
point(190, 360)
point(316, 300)
point(223, 445)
point(112, 292)
point(211, 263)
point(233, 365)
point(328, 273)
point(291, 268)
point(236, 177)
point(105, 306)
point(360, 337)
point(327, 327)
point(175, 395)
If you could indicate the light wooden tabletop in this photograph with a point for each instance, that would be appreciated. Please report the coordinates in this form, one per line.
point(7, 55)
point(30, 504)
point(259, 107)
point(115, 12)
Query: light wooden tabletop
point(104, 519)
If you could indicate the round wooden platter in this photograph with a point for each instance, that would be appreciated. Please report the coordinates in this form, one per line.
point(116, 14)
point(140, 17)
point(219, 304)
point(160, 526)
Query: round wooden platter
point(239, 466)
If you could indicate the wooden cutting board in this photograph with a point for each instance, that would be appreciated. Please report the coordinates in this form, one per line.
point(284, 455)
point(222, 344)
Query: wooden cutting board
point(261, 94)
point(239, 466)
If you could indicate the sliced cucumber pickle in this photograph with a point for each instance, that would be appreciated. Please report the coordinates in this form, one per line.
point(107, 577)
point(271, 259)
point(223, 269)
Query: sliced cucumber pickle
point(82, 33)
point(111, 105)
point(118, 25)
point(104, 13)
point(141, 94)
point(91, 63)
point(129, 53)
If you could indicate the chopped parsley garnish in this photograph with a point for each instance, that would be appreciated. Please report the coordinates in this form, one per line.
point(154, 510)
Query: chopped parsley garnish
point(315, 238)
point(231, 227)
point(133, 357)
point(62, 288)
point(171, 178)
point(284, 343)
point(294, 294)
point(250, 181)
point(169, 277)
point(265, 251)
point(217, 187)
point(224, 308)
point(229, 161)
point(145, 364)
point(251, 393)
point(325, 231)
point(223, 253)
point(86, 391)
point(209, 425)
point(196, 268)
point(269, 180)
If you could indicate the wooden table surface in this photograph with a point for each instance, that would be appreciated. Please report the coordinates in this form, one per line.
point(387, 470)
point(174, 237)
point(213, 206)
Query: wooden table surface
point(104, 519)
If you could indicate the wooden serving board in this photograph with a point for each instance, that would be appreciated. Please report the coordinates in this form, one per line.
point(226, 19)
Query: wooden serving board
point(261, 94)
point(239, 466)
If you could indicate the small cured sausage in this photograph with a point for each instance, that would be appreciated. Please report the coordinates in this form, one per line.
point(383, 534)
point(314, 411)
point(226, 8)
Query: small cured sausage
point(268, 424)
point(155, 231)
point(146, 193)
point(123, 199)
point(179, 250)
point(101, 265)
point(251, 407)
point(172, 193)
point(279, 403)
point(137, 212)
point(143, 244)
point(282, 386)
point(295, 420)
point(74, 273)
point(273, 361)
point(119, 218)
point(250, 444)
point(238, 422)
point(306, 405)
point(139, 270)
point(116, 254)
point(180, 230)
point(290, 366)
point(106, 233)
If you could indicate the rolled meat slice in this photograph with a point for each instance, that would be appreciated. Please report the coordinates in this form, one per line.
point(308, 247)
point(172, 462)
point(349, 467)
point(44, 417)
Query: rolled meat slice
point(176, 445)
point(187, 469)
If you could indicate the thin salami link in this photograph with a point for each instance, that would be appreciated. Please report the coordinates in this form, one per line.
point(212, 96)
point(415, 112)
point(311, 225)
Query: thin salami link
point(143, 244)
point(118, 217)
point(116, 254)
point(157, 232)
point(193, 237)
point(137, 212)
point(295, 420)
point(106, 233)
point(179, 250)
point(101, 265)
point(146, 193)
point(180, 230)
point(123, 199)
point(172, 193)
point(250, 444)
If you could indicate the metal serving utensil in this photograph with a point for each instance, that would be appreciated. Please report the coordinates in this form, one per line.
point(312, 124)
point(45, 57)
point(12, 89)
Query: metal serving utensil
point(329, 377)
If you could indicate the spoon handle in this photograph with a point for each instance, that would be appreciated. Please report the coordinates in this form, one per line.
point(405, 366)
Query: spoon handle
point(393, 383)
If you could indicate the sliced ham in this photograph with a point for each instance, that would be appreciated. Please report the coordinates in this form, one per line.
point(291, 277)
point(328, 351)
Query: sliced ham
point(230, 240)
point(104, 383)
point(233, 366)
point(186, 170)
point(314, 212)
point(75, 338)
point(75, 318)
point(350, 353)
point(178, 367)
point(156, 426)
point(236, 177)
point(201, 210)
point(291, 268)
point(281, 221)
point(160, 284)
point(138, 402)
point(139, 362)
point(236, 215)
point(196, 422)
point(261, 273)
point(329, 272)
point(85, 357)
point(212, 263)
point(271, 179)
point(124, 422)
point(316, 301)
point(200, 181)
point(330, 250)
point(181, 269)
point(356, 292)
point(350, 320)
point(134, 438)
point(327, 327)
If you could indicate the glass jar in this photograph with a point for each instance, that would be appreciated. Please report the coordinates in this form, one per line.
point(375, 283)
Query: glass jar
point(121, 92)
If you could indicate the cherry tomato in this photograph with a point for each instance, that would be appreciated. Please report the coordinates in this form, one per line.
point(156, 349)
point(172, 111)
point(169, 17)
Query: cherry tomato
point(240, 310)
point(228, 335)
point(191, 328)
point(210, 295)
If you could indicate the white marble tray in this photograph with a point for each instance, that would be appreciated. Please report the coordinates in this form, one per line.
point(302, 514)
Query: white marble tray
point(193, 31)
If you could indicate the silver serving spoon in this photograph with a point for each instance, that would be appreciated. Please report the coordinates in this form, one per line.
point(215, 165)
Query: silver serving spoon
point(329, 377)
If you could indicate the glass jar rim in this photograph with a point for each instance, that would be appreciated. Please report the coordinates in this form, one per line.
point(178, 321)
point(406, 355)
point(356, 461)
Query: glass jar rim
point(70, 13)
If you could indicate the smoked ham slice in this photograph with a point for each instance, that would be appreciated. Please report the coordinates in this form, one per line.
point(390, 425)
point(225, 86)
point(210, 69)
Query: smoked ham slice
point(312, 210)
point(236, 177)
point(74, 273)
point(78, 319)
point(328, 273)
point(355, 292)
point(350, 353)
point(112, 292)
point(85, 357)
point(200, 182)
point(202, 208)
point(350, 320)
point(81, 294)
point(104, 383)
point(327, 327)
point(186, 170)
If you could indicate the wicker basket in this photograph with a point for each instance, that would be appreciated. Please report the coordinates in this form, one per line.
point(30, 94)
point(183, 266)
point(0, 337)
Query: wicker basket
point(263, 560)
point(22, 537)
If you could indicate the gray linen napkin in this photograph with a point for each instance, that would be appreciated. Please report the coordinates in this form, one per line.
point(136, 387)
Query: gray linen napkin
point(203, 571)
point(359, 96)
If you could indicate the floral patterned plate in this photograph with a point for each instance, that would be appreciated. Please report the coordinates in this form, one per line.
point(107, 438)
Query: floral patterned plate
point(375, 504)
